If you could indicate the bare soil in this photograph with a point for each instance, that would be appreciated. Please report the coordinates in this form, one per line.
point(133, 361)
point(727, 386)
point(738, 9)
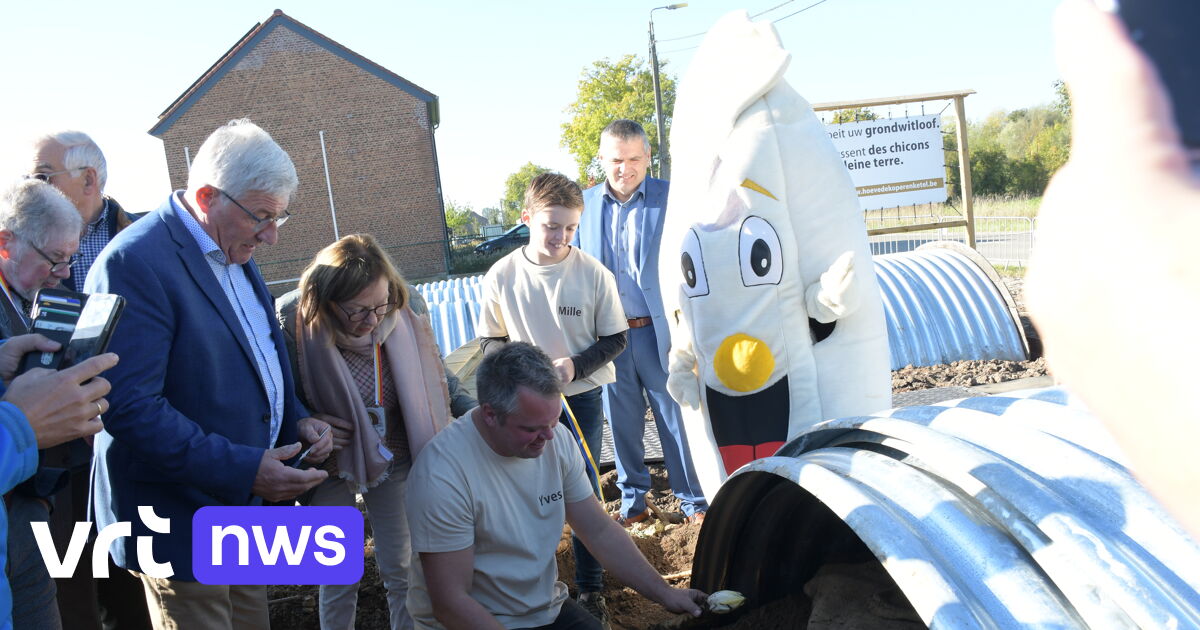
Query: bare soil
point(669, 546)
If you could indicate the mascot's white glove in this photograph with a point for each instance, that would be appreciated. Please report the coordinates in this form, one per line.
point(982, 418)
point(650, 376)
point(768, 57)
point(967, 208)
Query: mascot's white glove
point(682, 382)
point(833, 297)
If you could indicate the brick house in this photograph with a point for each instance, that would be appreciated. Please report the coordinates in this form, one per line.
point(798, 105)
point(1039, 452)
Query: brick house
point(323, 103)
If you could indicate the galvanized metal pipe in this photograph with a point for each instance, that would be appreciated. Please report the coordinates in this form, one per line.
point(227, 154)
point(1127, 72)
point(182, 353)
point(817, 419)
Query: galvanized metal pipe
point(1004, 511)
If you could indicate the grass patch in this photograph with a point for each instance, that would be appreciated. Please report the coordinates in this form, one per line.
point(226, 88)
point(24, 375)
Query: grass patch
point(984, 208)
point(464, 260)
point(1011, 271)
point(1007, 206)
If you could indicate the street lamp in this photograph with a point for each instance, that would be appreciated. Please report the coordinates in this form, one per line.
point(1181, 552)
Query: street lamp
point(664, 156)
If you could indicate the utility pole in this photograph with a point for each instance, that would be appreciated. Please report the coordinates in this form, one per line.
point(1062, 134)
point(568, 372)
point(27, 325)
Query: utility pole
point(664, 154)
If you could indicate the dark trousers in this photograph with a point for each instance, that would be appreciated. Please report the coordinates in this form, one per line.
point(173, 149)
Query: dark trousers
point(589, 413)
point(87, 603)
point(32, 588)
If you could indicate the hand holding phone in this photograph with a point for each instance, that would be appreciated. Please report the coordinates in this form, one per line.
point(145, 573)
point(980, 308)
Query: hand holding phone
point(305, 452)
point(82, 323)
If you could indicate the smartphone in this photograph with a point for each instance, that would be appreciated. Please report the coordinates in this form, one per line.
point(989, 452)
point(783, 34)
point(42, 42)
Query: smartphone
point(305, 452)
point(1168, 31)
point(101, 311)
point(82, 323)
point(55, 314)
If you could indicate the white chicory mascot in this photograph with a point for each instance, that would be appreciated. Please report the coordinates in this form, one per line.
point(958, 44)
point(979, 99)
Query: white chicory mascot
point(777, 321)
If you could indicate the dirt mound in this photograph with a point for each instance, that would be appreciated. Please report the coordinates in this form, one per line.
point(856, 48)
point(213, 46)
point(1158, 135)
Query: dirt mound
point(965, 374)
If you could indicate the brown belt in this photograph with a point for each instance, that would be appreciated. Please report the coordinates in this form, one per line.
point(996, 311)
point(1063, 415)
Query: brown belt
point(640, 322)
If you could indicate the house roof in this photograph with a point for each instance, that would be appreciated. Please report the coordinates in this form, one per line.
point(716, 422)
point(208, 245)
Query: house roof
point(247, 43)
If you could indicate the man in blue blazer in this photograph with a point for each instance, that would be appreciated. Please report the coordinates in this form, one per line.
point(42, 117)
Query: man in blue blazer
point(204, 411)
point(622, 226)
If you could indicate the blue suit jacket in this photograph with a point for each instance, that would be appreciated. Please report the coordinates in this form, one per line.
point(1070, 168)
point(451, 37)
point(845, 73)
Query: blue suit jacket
point(190, 417)
point(591, 236)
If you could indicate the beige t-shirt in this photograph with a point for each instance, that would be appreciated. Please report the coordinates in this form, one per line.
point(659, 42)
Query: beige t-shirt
point(462, 494)
point(561, 308)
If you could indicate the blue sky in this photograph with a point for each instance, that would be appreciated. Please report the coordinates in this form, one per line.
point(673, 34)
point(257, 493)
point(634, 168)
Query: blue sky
point(504, 71)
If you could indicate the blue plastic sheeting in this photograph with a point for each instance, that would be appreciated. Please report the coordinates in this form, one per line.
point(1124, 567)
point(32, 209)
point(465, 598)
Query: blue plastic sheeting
point(942, 306)
point(1012, 511)
point(453, 309)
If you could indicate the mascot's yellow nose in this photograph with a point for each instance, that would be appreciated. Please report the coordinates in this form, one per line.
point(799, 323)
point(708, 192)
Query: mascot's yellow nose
point(743, 363)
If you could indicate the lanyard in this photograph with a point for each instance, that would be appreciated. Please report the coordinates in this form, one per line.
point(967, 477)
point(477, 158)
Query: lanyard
point(378, 374)
point(12, 300)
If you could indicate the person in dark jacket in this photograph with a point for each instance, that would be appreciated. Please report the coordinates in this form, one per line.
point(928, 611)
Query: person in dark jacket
point(74, 163)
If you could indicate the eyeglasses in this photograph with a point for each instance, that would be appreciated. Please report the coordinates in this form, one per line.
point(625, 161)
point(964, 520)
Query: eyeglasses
point(56, 265)
point(45, 177)
point(358, 315)
point(259, 223)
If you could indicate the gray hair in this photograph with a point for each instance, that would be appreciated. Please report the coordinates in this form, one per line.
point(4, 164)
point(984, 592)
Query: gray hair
point(81, 151)
point(626, 130)
point(37, 212)
point(514, 365)
point(240, 157)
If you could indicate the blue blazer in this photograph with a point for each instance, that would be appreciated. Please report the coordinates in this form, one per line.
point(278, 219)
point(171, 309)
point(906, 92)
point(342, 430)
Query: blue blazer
point(190, 418)
point(591, 236)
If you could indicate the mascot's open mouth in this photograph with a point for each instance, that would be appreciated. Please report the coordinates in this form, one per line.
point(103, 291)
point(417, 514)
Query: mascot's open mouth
point(751, 426)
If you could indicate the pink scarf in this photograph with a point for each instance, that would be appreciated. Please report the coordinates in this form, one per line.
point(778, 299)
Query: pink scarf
point(417, 375)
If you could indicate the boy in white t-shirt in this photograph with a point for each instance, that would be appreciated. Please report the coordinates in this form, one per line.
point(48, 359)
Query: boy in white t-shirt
point(564, 301)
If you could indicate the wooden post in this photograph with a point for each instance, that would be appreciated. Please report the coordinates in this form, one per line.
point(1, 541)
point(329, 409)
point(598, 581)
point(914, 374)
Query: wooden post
point(964, 169)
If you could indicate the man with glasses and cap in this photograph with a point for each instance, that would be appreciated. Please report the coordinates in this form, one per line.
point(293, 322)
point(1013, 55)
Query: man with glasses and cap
point(74, 164)
point(204, 411)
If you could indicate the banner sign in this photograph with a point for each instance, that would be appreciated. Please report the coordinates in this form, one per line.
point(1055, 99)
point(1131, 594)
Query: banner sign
point(893, 162)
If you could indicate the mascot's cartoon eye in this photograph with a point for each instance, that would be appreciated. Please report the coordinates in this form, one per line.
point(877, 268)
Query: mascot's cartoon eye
point(695, 282)
point(759, 252)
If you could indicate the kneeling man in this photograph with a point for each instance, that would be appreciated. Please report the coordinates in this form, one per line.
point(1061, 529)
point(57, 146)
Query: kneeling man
point(487, 500)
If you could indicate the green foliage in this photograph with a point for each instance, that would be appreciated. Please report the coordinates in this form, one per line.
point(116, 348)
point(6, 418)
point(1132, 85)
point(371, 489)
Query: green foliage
point(610, 90)
point(853, 115)
point(461, 219)
point(514, 192)
point(1052, 145)
point(463, 259)
point(492, 216)
point(1062, 99)
point(1014, 153)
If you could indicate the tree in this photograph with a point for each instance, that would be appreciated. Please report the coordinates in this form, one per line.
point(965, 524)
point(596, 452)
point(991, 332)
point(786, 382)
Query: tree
point(492, 216)
point(853, 115)
point(514, 191)
point(1015, 153)
point(461, 219)
point(1062, 99)
point(607, 91)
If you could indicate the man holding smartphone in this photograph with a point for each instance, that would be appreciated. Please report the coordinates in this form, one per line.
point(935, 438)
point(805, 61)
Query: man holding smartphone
point(40, 409)
point(39, 235)
point(205, 411)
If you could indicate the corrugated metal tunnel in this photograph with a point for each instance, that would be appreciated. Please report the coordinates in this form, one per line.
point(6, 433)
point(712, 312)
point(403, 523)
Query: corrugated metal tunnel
point(1010, 511)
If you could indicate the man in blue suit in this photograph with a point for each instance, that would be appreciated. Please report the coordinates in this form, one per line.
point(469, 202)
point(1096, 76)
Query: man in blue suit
point(204, 411)
point(622, 226)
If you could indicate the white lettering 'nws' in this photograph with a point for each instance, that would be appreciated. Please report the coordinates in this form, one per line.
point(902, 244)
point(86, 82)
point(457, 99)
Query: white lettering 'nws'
point(282, 542)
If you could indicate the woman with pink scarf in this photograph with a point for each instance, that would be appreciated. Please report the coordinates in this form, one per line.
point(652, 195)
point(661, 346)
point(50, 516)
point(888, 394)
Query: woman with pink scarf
point(366, 363)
